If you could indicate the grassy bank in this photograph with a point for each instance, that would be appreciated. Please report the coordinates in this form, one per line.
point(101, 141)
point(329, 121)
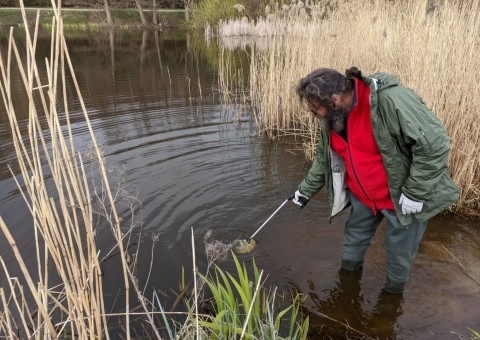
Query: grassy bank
point(431, 49)
point(75, 18)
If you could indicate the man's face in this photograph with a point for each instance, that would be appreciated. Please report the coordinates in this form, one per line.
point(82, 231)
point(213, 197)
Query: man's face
point(318, 110)
point(329, 118)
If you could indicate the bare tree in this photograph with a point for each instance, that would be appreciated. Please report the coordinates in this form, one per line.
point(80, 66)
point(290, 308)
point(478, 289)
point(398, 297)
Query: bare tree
point(188, 4)
point(154, 12)
point(140, 10)
point(107, 12)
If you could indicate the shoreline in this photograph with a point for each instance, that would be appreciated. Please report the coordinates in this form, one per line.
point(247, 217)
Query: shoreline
point(83, 18)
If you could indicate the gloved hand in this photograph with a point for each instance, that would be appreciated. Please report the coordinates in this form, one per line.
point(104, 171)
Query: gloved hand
point(409, 206)
point(300, 199)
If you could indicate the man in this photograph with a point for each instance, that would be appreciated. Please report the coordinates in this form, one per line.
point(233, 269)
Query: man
point(382, 151)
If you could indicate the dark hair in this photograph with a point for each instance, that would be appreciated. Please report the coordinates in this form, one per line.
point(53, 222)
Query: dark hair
point(321, 84)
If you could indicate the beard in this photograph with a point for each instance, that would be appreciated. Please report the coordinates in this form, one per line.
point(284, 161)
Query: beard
point(336, 120)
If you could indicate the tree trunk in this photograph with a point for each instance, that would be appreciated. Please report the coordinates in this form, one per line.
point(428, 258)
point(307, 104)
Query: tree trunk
point(154, 12)
point(140, 10)
point(107, 12)
point(187, 4)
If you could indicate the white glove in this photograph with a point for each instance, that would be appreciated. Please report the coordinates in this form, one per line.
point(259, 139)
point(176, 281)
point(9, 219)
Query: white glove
point(300, 199)
point(409, 206)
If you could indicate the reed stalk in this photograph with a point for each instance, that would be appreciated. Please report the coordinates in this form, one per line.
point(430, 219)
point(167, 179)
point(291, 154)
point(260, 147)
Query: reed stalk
point(431, 47)
point(69, 299)
point(234, 92)
point(195, 289)
point(63, 225)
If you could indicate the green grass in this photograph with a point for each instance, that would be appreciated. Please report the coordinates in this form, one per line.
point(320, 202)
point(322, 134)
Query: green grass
point(475, 334)
point(80, 19)
point(241, 307)
point(9, 17)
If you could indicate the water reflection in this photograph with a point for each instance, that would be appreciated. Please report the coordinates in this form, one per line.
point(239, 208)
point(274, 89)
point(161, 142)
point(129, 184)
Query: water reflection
point(342, 312)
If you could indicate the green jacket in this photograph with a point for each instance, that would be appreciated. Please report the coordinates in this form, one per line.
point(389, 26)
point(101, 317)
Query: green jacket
point(414, 146)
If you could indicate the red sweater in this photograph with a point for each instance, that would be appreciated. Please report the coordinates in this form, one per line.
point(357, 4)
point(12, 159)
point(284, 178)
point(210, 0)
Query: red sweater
point(366, 177)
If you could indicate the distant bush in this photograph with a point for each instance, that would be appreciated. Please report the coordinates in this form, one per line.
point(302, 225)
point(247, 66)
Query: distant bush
point(93, 4)
point(212, 11)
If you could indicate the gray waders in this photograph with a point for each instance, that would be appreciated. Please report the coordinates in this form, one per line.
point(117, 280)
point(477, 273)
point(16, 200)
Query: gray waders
point(401, 242)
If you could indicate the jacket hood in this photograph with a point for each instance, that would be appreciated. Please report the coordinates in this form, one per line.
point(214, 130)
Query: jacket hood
point(382, 80)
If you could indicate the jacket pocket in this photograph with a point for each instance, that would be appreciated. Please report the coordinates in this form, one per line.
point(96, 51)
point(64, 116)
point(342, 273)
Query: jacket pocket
point(422, 139)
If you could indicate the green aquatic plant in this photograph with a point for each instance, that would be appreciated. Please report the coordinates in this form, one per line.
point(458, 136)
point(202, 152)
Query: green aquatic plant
point(475, 334)
point(241, 307)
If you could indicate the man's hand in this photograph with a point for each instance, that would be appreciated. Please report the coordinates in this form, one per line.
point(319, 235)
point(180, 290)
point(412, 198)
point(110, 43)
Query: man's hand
point(409, 206)
point(300, 199)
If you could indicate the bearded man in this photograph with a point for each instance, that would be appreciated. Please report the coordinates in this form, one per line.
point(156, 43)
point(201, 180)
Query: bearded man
point(385, 154)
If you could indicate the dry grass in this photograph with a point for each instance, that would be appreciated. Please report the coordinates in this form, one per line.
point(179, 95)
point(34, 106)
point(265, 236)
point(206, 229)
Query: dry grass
point(431, 48)
point(65, 226)
point(62, 207)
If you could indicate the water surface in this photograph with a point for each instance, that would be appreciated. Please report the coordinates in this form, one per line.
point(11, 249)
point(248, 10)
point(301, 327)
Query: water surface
point(199, 165)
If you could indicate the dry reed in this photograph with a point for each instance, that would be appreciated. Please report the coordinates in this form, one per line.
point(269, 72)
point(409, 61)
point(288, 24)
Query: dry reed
point(67, 299)
point(62, 207)
point(232, 84)
point(431, 47)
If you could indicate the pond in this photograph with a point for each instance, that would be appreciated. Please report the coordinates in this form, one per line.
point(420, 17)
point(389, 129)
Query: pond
point(197, 164)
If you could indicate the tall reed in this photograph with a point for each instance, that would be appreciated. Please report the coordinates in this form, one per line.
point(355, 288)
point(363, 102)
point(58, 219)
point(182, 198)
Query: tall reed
point(62, 296)
point(69, 300)
point(431, 47)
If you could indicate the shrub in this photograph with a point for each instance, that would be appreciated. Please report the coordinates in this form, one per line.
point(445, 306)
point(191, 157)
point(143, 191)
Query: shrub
point(211, 12)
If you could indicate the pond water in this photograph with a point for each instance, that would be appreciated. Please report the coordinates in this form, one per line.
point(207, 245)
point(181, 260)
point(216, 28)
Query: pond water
point(199, 165)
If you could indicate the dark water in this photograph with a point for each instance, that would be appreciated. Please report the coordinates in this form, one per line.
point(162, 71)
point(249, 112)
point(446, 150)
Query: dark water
point(156, 111)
